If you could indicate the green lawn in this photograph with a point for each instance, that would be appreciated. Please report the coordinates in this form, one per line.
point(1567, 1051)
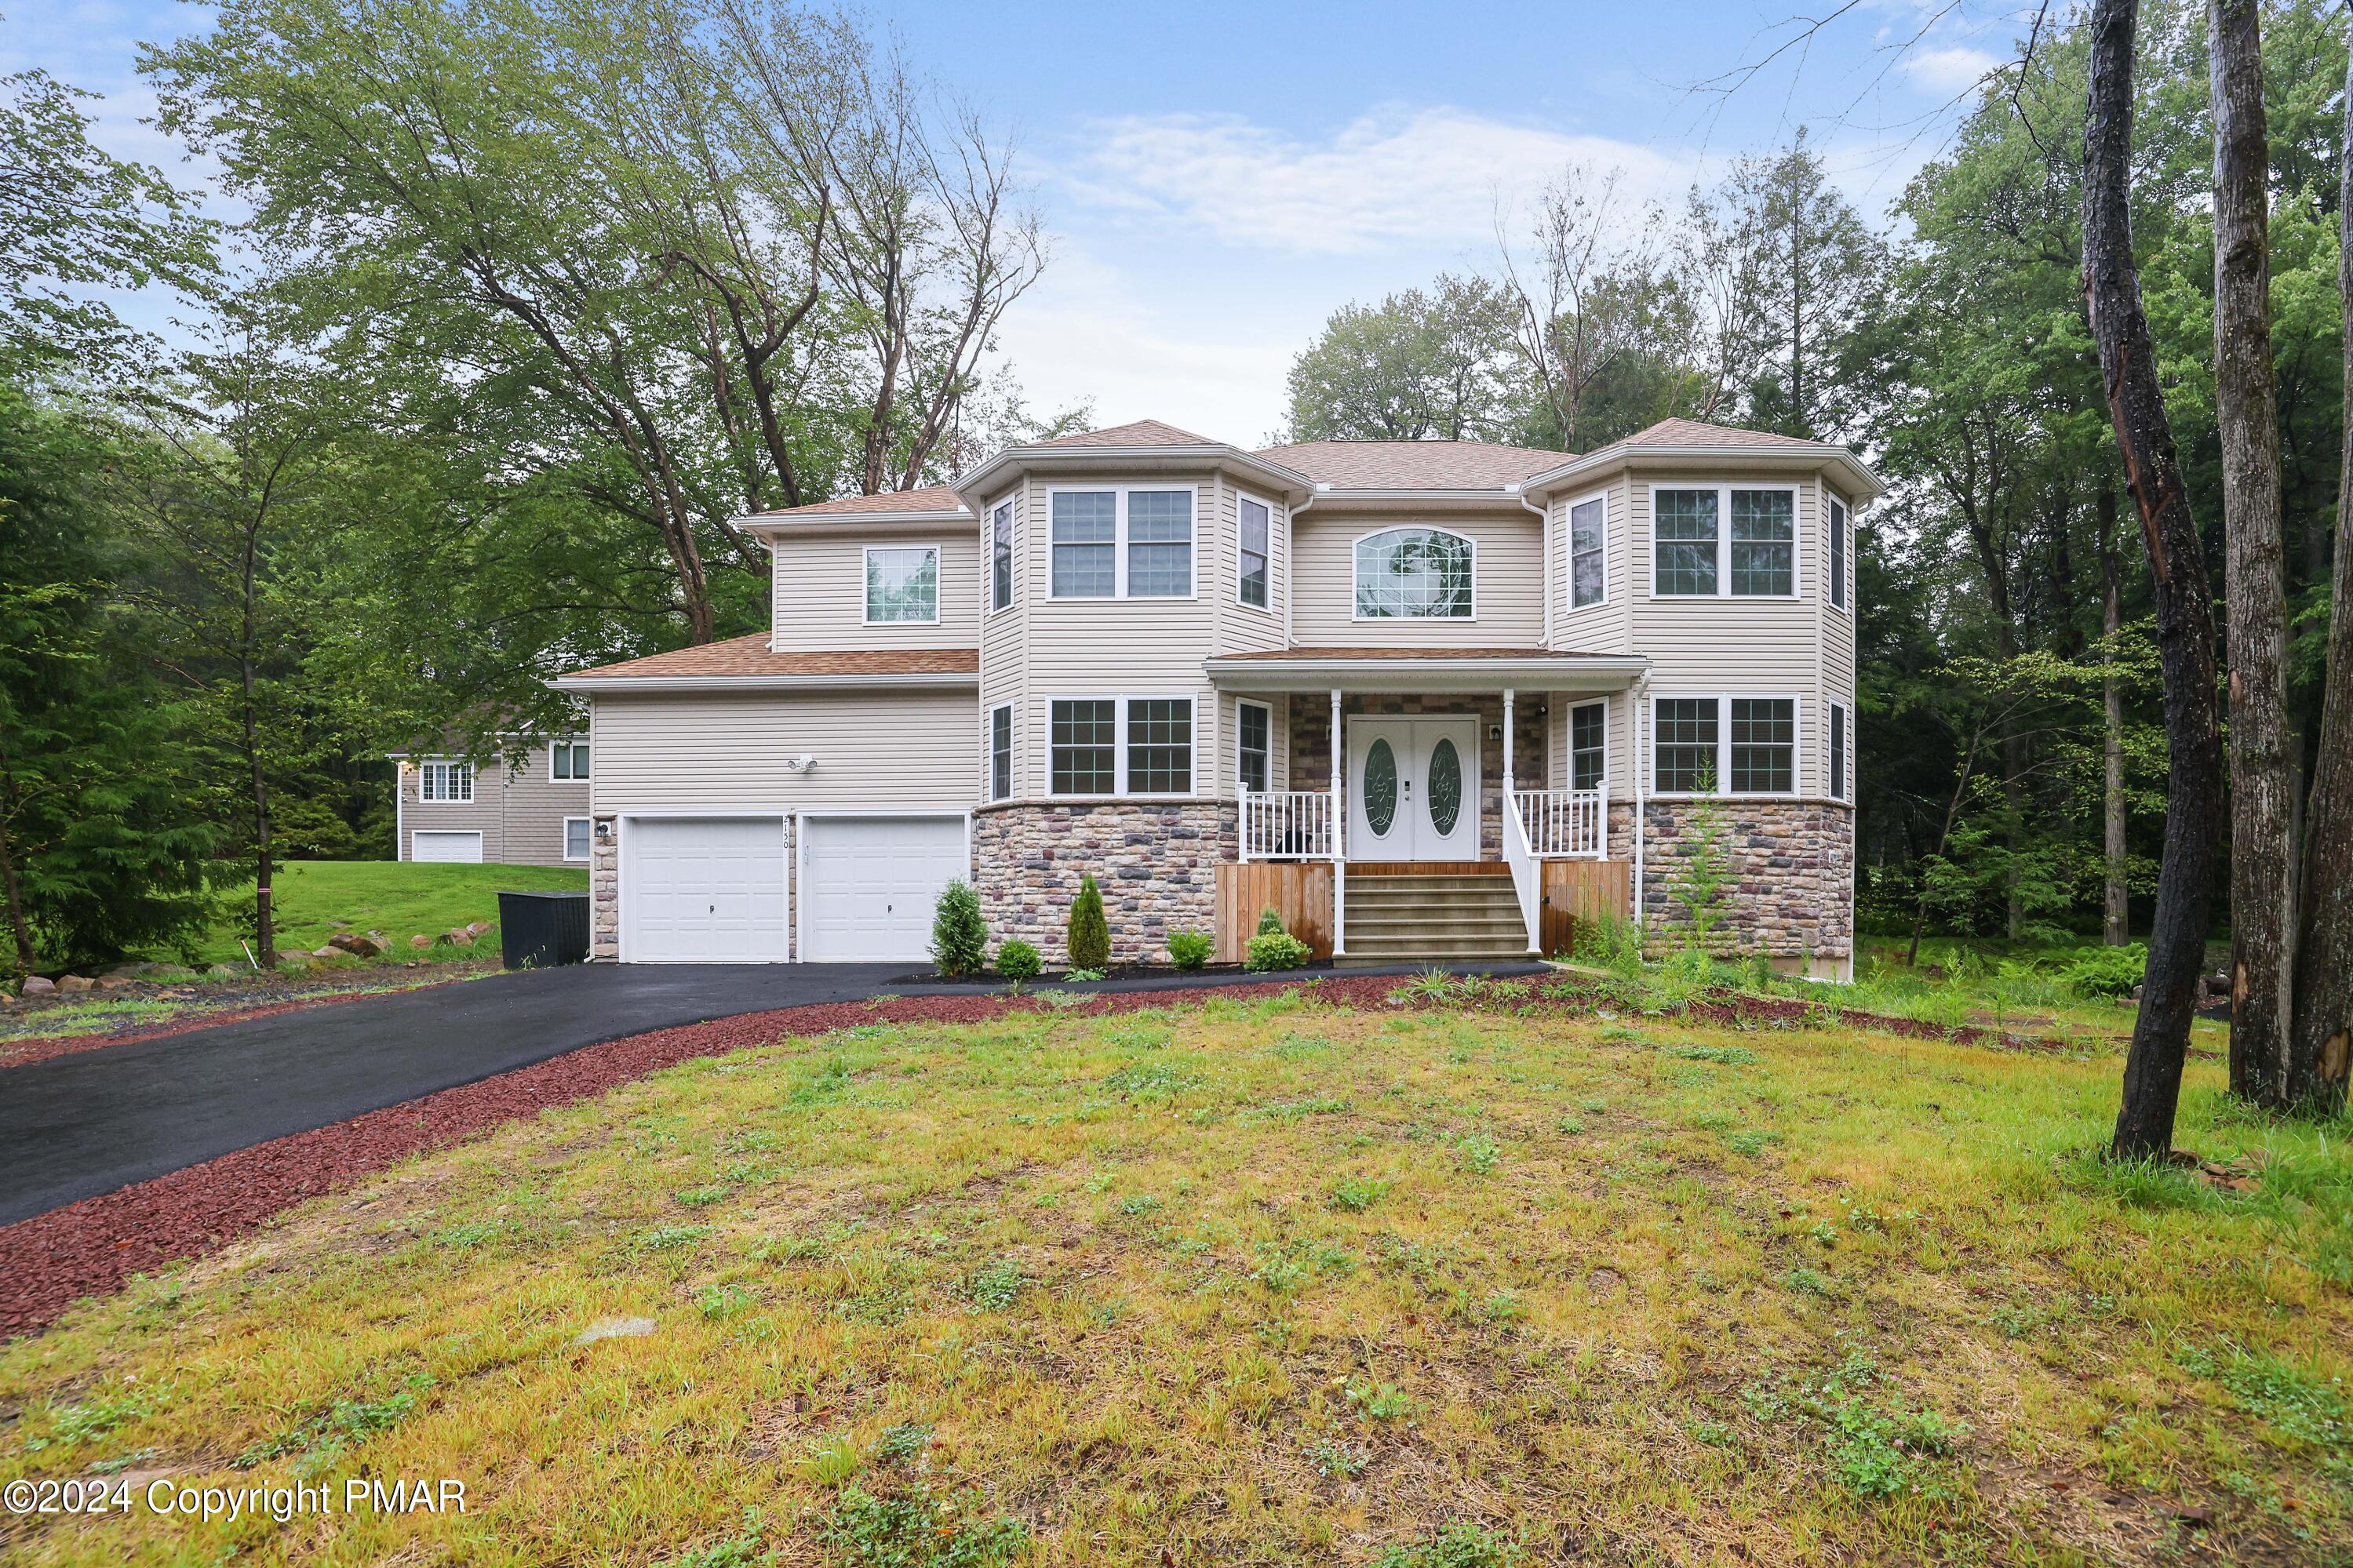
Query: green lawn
point(399, 898)
point(1266, 1282)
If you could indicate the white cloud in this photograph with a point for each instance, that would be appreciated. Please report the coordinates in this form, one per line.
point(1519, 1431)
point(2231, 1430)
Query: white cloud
point(1384, 179)
point(1950, 72)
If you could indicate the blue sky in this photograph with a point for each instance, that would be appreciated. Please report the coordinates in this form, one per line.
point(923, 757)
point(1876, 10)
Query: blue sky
point(1220, 178)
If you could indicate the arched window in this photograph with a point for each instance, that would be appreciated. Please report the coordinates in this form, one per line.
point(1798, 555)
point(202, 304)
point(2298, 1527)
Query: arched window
point(1414, 574)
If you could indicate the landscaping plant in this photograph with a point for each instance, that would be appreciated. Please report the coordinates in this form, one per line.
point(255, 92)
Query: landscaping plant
point(1019, 962)
point(959, 934)
point(1276, 948)
point(1190, 950)
point(1270, 923)
point(1089, 931)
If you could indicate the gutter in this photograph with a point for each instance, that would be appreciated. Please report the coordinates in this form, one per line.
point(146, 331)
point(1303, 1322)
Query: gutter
point(622, 684)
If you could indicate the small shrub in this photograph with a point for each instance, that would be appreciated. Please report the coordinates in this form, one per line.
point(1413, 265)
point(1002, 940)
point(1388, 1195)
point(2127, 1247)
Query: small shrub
point(1089, 937)
point(1074, 972)
point(1274, 949)
point(1269, 922)
point(2105, 971)
point(1191, 949)
point(959, 935)
point(1019, 962)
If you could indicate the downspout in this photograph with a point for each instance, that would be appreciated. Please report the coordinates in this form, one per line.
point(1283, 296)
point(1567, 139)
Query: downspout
point(1544, 512)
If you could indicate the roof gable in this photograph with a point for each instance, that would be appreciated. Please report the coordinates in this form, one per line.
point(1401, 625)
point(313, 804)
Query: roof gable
point(1414, 465)
point(1142, 432)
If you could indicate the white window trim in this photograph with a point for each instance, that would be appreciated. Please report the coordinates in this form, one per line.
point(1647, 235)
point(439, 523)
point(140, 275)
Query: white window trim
point(1013, 580)
point(1268, 708)
point(424, 799)
point(1724, 543)
point(1839, 517)
point(866, 577)
point(1272, 522)
point(1361, 619)
point(1122, 702)
point(1568, 752)
point(1569, 607)
point(988, 752)
point(1119, 549)
point(1834, 787)
point(569, 857)
point(1649, 761)
point(555, 777)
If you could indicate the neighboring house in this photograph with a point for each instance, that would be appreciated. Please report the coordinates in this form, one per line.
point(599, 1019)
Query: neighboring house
point(533, 814)
point(1132, 652)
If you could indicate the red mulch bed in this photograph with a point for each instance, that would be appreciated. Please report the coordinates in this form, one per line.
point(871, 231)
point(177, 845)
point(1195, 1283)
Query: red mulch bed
point(91, 1248)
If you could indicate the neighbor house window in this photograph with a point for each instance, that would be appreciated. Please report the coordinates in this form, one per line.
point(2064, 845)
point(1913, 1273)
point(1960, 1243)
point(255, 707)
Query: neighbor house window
point(575, 838)
point(1694, 555)
point(1086, 544)
point(1255, 517)
point(1587, 745)
point(1731, 745)
point(1839, 524)
point(1000, 754)
point(1588, 581)
point(1085, 747)
point(902, 585)
point(568, 760)
point(1414, 574)
point(1254, 746)
point(1160, 745)
point(1000, 556)
point(445, 781)
point(1838, 751)
point(1159, 544)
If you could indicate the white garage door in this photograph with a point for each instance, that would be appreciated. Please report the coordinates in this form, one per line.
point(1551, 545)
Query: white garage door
point(702, 889)
point(873, 883)
point(446, 846)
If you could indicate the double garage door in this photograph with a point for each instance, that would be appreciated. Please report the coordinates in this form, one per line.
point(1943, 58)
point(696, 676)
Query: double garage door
point(711, 890)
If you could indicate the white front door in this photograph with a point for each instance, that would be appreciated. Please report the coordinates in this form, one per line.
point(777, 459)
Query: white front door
point(1413, 789)
point(873, 883)
point(702, 889)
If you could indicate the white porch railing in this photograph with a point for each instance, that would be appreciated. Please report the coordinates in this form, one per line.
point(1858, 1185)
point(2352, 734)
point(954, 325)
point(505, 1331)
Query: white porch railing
point(1562, 824)
point(1287, 825)
point(1527, 873)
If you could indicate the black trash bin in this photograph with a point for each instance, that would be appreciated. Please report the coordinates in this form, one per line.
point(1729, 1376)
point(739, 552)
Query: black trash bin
point(540, 929)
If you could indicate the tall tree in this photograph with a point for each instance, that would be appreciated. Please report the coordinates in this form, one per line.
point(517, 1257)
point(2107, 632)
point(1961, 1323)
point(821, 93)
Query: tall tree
point(2185, 622)
point(1422, 363)
point(1811, 263)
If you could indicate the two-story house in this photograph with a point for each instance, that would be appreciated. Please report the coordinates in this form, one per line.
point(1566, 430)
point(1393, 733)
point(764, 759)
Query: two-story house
point(1429, 678)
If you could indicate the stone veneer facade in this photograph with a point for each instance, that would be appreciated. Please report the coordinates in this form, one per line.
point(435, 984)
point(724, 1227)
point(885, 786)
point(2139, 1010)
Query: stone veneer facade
point(1153, 859)
point(1790, 866)
point(604, 888)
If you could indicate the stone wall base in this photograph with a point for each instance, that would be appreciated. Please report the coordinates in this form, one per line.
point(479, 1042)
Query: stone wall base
point(604, 888)
point(1788, 892)
point(1155, 862)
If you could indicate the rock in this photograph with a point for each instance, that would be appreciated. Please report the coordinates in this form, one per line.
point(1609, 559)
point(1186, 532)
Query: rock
point(224, 972)
point(615, 1329)
point(339, 925)
point(421, 941)
point(37, 985)
point(69, 983)
point(479, 928)
point(326, 952)
point(359, 946)
point(2218, 984)
point(117, 981)
point(458, 936)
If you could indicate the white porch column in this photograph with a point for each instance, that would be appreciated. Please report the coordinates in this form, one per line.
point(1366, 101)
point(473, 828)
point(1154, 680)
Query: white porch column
point(1338, 815)
point(1339, 848)
point(1507, 748)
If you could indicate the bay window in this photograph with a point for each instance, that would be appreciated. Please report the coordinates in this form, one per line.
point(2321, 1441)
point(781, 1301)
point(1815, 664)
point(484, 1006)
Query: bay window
point(1724, 745)
point(1255, 525)
point(1588, 558)
point(1121, 543)
point(1119, 746)
point(1710, 542)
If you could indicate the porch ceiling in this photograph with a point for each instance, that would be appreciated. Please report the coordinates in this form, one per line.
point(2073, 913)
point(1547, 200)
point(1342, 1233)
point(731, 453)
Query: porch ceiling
point(1422, 669)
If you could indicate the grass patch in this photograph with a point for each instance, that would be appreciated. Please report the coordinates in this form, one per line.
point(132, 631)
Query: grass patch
point(1272, 1281)
point(399, 898)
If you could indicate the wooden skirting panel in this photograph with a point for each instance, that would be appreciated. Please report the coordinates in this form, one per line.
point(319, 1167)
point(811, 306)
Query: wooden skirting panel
point(1582, 890)
point(1301, 892)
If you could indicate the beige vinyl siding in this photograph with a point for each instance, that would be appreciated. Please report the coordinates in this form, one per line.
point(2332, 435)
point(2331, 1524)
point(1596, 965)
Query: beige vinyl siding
point(519, 813)
point(1005, 643)
point(1838, 655)
point(819, 592)
point(1507, 591)
point(891, 751)
point(1606, 627)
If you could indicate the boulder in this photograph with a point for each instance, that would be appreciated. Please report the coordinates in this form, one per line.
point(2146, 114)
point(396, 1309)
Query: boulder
point(359, 944)
point(458, 936)
point(326, 952)
point(117, 981)
point(70, 983)
point(421, 941)
point(38, 985)
point(479, 928)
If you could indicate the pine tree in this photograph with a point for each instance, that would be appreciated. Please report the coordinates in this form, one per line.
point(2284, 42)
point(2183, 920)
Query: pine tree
point(1089, 931)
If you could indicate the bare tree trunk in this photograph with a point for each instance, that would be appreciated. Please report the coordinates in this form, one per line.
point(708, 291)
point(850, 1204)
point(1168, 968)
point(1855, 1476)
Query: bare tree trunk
point(2115, 919)
point(18, 928)
point(2320, 1040)
point(265, 919)
point(2185, 616)
point(2262, 917)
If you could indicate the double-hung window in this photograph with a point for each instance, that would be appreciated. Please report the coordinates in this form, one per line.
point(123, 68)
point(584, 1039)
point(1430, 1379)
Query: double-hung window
point(452, 782)
point(1838, 751)
point(1257, 523)
point(1414, 573)
point(902, 585)
point(1254, 746)
point(1000, 555)
point(1000, 752)
point(1724, 745)
point(1121, 543)
point(1587, 745)
point(1724, 541)
point(575, 838)
point(1112, 746)
point(1588, 560)
point(567, 761)
point(1841, 541)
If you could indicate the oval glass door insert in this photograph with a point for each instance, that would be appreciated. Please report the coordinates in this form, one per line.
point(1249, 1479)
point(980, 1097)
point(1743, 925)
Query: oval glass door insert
point(1445, 786)
point(1380, 788)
